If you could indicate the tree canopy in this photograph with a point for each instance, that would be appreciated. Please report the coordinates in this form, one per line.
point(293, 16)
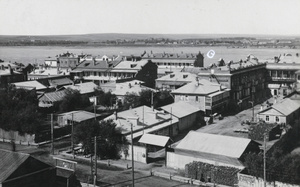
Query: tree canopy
point(281, 164)
point(144, 98)
point(73, 100)
point(110, 141)
point(19, 110)
point(106, 99)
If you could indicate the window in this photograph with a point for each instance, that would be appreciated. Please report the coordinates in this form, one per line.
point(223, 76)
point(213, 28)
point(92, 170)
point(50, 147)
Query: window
point(277, 119)
point(186, 97)
point(267, 118)
point(197, 99)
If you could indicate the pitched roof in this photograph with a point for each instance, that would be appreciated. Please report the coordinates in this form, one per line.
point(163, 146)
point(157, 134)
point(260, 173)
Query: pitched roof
point(60, 82)
point(153, 139)
point(130, 86)
point(180, 109)
point(178, 76)
point(53, 96)
point(79, 116)
point(214, 144)
point(286, 107)
point(146, 117)
point(10, 162)
point(29, 85)
point(129, 65)
point(203, 88)
point(83, 88)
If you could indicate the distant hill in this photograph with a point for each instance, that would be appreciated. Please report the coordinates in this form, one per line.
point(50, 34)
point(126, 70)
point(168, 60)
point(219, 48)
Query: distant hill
point(120, 36)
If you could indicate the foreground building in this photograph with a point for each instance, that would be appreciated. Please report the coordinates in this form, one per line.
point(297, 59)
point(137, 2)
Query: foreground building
point(213, 149)
point(20, 169)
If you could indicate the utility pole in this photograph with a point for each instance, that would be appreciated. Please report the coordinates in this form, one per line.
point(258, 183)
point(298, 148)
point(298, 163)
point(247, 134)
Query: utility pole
point(52, 130)
point(132, 157)
point(95, 103)
point(265, 160)
point(95, 155)
point(72, 136)
point(152, 100)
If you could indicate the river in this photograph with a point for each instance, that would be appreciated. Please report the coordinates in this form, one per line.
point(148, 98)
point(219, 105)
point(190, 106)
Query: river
point(32, 54)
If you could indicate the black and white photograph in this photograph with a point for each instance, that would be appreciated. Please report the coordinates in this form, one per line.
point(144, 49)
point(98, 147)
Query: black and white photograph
point(149, 93)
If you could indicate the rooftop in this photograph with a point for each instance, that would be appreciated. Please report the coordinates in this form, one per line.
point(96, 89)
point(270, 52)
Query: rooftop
point(79, 116)
point(286, 107)
point(176, 109)
point(135, 86)
point(214, 144)
point(83, 88)
point(204, 87)
point(179, 76)
point(142, 117)
point(129, 65)
point(29, 85)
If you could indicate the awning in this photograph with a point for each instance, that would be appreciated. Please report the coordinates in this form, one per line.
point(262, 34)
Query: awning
point(152, 139)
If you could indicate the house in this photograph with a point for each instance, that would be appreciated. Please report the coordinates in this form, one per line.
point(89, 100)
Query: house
point(175, 59)
point(75, 117)
point(51, 62)
point(67, 60)
point(87, 88)
point(285, 112)
point(46, 72)
point(282, 71)
point(50, 99)
point(30, 85)
point(20, 169)
point(122, 88)
point(144, 70)
point(175, 80)
point(187, 114)
point(205, 95)
point(95, 69)
point(8, 74)
point(212, 149)
point(144, 120)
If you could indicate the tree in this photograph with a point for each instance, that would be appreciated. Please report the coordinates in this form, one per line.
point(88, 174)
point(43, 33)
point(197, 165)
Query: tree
point(110, 141)
point(73, 100)
point(19, 110)
point(131, 100)
point(105, 98)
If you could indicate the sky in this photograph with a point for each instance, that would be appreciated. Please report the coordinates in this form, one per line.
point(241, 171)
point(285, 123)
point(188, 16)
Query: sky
point(64, 17)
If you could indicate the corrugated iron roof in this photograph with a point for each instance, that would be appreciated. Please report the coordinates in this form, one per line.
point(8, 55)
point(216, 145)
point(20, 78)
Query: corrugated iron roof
point(83, 88)
point(214, 144)
point(30, 84)
point(10, 162)
point(180, 109)
point(53, 96)
point(203, 88)
point(286, 107)
point(153, 139)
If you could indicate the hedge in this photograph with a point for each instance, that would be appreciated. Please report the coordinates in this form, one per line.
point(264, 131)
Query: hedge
point(211, 173)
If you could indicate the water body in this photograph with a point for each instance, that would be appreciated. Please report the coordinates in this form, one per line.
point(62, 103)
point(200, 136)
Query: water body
point(37, 54)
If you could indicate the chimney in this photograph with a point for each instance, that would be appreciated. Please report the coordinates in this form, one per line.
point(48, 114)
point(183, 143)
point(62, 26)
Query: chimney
point(133, 120)
point(10, 70)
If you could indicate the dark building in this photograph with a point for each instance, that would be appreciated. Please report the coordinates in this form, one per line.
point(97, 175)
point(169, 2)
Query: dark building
point(8, 74)
point(19, 169)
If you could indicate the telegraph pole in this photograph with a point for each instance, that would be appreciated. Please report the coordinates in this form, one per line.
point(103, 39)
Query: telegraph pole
point(265, 160)
point(52, 130)
point(72, 136)
point(132, 157)
point(95, 155)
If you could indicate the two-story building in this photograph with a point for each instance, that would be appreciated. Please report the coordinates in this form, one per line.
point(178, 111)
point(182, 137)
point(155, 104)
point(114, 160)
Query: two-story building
point(246, 79)
point(207, 96)
point(175, 80)
point(282, 73)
